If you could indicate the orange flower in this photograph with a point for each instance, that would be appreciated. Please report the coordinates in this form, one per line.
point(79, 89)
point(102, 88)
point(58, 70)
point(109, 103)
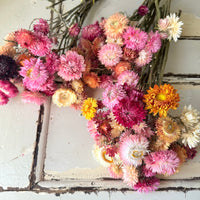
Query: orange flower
point(121, 67)
point(23, 57)
point(181, 153)
point(7, 50)
point(161, 99)
point(91, 79)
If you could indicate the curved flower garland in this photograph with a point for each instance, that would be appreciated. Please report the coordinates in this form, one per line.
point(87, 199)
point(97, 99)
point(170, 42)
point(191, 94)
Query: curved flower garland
point(111, 54)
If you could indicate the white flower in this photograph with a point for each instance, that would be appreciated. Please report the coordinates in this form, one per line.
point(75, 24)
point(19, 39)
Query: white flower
point(190, 116)
point(191, 137)
point(174, 28)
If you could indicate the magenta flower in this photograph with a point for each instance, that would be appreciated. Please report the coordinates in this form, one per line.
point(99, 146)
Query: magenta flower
point(162, 162)
point(147, 172)
point(52, 62)
point(110, 54)
point(135, 39)
point(147, 185)
point(71, 66)
point(49, 87)
point(105, 81)
point(34, 74)
point(74, 30)
point(91, 31)
point(9, 89)
point(143, 10)
point(41, 26)
point(154, 42)
point(3, 98)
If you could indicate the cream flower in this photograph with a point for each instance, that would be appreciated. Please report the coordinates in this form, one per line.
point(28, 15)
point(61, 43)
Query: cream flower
point(191, 137)
point(174, 28)
point(64, 97)
point(190, 116)
point(77, 85)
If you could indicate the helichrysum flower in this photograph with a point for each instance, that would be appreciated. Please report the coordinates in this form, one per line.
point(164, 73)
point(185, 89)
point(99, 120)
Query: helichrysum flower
point(167, 129)
point(190, 116)
point(77, 85)
point(160, 99)
point(143, 10)
point(71, 66)
point(130, 175)
point(115, 25)
point(74, 30)
point(154, 42)
point(144, 58)
point(135, 39)
point(162, 162)
point(133, 149)
point(89, 108)
point(110, 54)
point(41, 26)
point(121, 67)
point(91, 79)
point(33, 97)
point(3, 98)
point(64, 97)
point(115, 170)
point(174, 28)
point(8, 88)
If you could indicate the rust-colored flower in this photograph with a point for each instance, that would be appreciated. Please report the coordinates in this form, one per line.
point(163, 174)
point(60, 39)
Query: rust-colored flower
point(129, 54)
point(91, 79)
point(121, 67)
point(181, 153)
point(167, 129)
point(160, 99)
point(158, 145)
point(97, 44)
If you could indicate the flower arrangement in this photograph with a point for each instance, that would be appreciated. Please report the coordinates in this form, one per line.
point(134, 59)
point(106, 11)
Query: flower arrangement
point(135, 136)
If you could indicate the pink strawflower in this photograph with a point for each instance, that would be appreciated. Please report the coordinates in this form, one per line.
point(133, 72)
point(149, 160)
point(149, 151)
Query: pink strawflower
point(163, 24)
point(9, 89)
point(129, 112)
point(112, 95)
point(105, 81)
point(143, 10)
point(3, 98)
point(147, 185)
point(147, 172)
point(71, 66)
point(132, 149)
point(144, 58)
point(154, 42)
point(111, 150)
point(130, 175)
point(35, 74)
point(128, 77)
point(33, 97)
point(52, 62)
point(143, 129)
point(41, 45)
point(135, 39)
point(125, 134)
point(191, 152)
point(164, 35)
point(92, 129)
point(41, 27)
point(110, 54)
point(162, 162)
point(91, 31)
point(25, 38)
point(49, 87)
point(115, 171)
point(74, 30)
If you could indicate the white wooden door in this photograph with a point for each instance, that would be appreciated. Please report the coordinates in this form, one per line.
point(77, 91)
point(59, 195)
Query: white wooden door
point(40, 155)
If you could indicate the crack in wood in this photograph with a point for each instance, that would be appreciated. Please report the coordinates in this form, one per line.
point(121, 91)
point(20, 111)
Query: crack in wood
point(32, 176)
point(189, 38)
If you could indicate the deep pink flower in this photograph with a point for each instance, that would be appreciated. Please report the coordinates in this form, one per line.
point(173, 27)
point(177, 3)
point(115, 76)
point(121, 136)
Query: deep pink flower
point(147, 172)
point(71, 66)
point(112, 95)
point(34, 74)
point(74, 30)
point(105, 81)
point(147, 185)
point(3, 98)
point(162, 162)
point(41, 26)
point(154, 42)
point(129, 112)
point(52, 62)
point(110, 54)
point(135, 39)
point(91, 31)
point(143, 10)
point(9, 89)
point(143, 129)
point(111, 150)
point(49, 87)
point(41, 45)
point(33, 97)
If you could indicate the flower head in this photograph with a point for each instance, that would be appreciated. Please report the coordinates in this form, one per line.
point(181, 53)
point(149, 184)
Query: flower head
point(143, 10)
point(71, 66)
point(91, 79)
point(3, 98)
point(162, 162)
point(52, 62)
point(154, 42)
point(41, 26)
point(115, 25)
point(161, 99)
point(135, 39)
point(8, 88)
point(74, 30)
point(115, 170)
point(121, 67)
point(33, 97)
point(34, 74)
point(110, 54)
point(191, 152)
point(143, 58)
point(64, 97)
point(132, 149)
point(130, 175)
point(89, 108)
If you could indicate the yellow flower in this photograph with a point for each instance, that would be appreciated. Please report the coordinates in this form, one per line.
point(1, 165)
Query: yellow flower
point(64, 97)
point(161, 99)
point(89, 108)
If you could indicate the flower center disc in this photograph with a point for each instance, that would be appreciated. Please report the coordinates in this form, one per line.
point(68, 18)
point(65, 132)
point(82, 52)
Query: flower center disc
point(169, 127)
point(106, 157)
point(161, 97)
point(137, 154)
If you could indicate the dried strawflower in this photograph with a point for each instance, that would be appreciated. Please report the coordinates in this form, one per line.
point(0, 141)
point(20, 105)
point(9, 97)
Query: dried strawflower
point(91, 79)
point(9, 89)
point(41, 26)
point(89, 108)
point(74, 30)
point(33, 97)
point(143, 10)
